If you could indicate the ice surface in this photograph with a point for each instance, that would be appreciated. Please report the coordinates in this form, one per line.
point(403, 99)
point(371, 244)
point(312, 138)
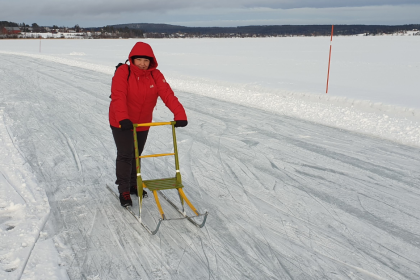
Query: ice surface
point(24, 206)
point(289, 198)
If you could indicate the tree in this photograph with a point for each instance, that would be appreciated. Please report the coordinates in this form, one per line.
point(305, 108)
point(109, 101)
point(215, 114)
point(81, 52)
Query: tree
point(77, 28)
point(35, 27)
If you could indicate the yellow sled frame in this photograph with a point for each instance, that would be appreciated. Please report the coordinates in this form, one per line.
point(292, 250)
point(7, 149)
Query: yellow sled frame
point(158, 185)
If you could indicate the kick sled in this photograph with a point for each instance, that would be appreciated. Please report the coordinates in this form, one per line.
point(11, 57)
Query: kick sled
point(158, 186)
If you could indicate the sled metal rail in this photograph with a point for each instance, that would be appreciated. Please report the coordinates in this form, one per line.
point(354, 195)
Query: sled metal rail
point(157, 186)
point(184, 214)
point(153, 232)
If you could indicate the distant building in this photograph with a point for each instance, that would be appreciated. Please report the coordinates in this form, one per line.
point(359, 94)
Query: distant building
point(11, 30)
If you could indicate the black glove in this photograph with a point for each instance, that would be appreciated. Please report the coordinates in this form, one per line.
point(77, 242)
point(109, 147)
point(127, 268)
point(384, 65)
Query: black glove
point(126, 124)
point(181, 123)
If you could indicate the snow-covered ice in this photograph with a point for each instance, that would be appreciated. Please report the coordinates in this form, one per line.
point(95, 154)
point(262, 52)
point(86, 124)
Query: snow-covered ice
point(24, 210)
point(373, 85)
point(299, 184)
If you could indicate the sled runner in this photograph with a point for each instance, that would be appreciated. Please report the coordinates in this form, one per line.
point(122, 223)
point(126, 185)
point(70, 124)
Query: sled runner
point(158, 186)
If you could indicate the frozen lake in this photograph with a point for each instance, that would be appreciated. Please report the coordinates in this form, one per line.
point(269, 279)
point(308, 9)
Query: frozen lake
point(289, 197)
point(381, 69)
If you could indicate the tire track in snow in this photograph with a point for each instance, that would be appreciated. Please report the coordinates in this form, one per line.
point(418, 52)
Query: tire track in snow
point(71, 147)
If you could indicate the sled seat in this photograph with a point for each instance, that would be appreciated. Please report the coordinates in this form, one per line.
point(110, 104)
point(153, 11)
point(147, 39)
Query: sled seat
point(167, 184)
point(162, 184)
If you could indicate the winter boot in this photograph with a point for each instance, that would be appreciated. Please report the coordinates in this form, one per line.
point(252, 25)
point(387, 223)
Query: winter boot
point(125, 199)
point(133, 190)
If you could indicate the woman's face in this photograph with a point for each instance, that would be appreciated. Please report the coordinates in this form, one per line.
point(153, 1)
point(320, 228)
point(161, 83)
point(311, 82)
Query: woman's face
point(142, 63)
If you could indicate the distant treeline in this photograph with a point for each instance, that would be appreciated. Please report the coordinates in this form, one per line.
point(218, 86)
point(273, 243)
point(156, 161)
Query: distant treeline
point(272, 30)
point(8, 24)
point(123, 32)
point(95, 32)
point(149, 30)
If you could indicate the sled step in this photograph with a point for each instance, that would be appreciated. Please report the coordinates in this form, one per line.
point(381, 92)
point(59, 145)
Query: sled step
point(162, 184)
point(153, 232)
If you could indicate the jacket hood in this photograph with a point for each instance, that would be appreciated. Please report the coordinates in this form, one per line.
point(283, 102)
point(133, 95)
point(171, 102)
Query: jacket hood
point(144, 49)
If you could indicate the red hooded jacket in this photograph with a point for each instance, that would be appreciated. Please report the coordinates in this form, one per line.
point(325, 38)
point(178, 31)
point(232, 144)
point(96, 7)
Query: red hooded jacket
point(136, 98)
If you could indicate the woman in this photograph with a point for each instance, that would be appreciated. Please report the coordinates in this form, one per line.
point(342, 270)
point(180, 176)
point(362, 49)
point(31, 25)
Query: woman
point(134, 92)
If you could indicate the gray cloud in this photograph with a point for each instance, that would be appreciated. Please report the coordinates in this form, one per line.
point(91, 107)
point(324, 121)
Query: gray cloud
point(99, 7)
point(387, 15)
point(113, 7)
point(292, 4)
point(210, 13)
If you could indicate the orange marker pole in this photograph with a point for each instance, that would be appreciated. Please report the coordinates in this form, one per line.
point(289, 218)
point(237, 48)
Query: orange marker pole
point(329, 60)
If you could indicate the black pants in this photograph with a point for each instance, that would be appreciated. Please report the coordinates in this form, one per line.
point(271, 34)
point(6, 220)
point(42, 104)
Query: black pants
point(126, 162)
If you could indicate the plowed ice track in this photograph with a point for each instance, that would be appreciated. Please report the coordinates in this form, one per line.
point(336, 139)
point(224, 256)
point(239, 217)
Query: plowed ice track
point(288, 199)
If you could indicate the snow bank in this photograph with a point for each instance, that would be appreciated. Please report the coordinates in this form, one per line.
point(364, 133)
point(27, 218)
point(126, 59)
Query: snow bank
point(390, 122)
point(70, 62)
point(24, 210)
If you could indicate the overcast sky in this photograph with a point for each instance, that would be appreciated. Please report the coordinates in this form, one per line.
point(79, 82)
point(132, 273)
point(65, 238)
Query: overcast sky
point(95, 13)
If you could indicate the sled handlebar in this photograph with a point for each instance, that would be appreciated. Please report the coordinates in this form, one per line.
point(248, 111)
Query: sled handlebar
point(153, 124)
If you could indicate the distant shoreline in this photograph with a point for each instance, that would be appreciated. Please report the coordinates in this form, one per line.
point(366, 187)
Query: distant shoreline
point(149, 30)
